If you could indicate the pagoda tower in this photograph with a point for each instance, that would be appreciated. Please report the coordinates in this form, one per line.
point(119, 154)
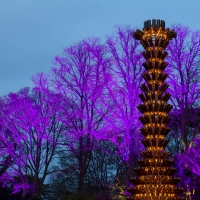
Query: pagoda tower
point(155, 179)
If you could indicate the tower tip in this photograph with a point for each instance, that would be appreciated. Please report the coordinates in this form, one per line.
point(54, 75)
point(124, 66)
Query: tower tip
point(154, 23)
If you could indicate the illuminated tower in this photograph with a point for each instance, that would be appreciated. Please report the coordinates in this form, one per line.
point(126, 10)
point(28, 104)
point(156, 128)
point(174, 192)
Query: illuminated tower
point(155, 179)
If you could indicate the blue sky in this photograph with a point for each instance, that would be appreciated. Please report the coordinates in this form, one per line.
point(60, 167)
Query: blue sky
point(33, 32)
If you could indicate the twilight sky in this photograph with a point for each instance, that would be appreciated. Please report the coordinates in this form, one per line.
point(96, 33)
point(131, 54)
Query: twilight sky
point(33, 32)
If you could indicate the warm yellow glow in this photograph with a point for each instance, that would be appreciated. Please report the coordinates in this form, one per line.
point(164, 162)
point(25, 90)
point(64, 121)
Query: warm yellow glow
point(151, 182)
point(154, 49)
point(155, 60)
point(154, 33)
point(155, 82)
point(155, 113)
point(153, 124)
point(150, 102)
point(150, 71)
point(155, 148)
point(155, 137)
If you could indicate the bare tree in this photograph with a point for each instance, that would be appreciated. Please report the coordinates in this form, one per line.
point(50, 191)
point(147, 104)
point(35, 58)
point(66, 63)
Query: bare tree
point(80, 78)
point(123, 89)
point(34, 121)
point(184, 74)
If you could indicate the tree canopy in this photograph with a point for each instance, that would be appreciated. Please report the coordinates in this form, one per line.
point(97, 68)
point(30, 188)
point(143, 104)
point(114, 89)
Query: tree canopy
point(75, 135)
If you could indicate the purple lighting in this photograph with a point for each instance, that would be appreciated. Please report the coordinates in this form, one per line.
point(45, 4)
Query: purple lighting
point(77, 131)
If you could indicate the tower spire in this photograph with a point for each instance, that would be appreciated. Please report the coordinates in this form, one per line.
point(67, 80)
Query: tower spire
point(155, 179)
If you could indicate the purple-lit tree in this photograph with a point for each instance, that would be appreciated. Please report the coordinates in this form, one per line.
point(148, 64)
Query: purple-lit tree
point(191, 157)
point(100, 84)
point(33, 121)
point(5, 163)
point(184, 74)
point(123, 90)
point(80, 78)
point(188, 164)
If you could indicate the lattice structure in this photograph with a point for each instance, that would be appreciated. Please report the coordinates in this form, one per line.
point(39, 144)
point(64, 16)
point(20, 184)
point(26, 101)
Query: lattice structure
point(155, 179)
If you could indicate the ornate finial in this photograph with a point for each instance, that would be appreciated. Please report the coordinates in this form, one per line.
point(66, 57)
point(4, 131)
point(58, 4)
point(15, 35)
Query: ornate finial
point(153, 29)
